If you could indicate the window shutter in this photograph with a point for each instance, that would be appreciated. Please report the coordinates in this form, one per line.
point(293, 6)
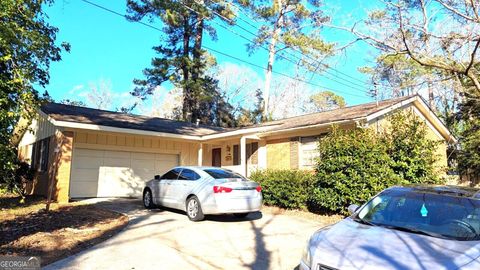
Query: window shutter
point(236, 155)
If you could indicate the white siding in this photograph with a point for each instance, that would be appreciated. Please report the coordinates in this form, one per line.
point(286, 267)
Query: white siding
point(39, 129)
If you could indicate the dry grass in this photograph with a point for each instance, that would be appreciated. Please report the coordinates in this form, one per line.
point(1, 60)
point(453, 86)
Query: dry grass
point(26, 229)
point(325, 219)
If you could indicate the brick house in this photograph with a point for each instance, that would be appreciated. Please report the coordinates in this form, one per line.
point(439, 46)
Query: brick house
point(94, 153)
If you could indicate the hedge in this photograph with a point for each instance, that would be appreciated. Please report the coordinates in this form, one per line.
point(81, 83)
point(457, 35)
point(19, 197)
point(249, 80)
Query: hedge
point(356, 164)
point(288, 189)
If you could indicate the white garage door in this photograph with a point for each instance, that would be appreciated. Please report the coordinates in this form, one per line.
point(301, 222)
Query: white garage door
point(104, 173)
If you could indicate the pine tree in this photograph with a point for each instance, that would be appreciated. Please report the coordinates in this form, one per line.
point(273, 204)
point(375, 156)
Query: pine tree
point(181, 59)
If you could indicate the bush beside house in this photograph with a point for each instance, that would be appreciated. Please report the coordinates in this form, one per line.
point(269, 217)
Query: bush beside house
point(354, 165)
point(285, 188)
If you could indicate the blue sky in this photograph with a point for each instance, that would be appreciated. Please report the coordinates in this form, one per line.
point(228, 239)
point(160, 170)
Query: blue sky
point(106, 47)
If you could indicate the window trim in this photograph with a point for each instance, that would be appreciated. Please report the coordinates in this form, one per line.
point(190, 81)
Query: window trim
point(40, 155)
point(301, 153)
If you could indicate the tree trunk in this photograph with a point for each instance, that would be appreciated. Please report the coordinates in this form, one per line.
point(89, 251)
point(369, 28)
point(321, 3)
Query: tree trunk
point(271, 58)
point(186, 108)
point(430, 94)
point(197, 68)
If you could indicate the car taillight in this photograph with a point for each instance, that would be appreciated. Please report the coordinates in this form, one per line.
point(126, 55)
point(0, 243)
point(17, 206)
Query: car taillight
point(258, 188)
point(218, 189)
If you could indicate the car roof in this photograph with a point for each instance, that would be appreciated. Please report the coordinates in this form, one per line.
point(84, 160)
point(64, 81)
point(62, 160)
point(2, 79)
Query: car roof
point(453, 191)
point(202, 168)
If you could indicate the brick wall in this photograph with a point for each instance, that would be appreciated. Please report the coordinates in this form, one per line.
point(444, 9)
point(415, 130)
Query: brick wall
point(61, 165)
point(294, 147)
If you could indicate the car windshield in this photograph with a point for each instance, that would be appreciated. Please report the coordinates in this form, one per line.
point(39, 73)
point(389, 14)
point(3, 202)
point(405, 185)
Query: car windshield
point(433, 214)
point(223, 174)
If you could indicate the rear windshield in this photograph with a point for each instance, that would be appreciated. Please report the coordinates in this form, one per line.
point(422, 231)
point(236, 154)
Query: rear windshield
point(221, 174)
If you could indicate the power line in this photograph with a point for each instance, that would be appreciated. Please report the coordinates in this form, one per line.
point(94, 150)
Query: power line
point(221, 25)
point(279, 54)
point(282, 56)
point(279, 73)
point(323, 64)
point(120, 14)
point(224, 54)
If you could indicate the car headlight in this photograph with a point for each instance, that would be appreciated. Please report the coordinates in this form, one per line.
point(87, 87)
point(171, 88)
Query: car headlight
point(306, 256)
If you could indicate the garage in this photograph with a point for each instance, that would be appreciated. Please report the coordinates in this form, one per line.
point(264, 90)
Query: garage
point(108, 173)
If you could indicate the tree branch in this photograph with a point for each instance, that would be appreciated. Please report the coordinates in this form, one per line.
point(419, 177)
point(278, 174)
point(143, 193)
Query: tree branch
point(472, 58)
point(475, 10)
point(456, 11)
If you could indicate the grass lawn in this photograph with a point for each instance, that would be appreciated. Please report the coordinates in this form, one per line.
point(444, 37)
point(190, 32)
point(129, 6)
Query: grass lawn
point(27, 230)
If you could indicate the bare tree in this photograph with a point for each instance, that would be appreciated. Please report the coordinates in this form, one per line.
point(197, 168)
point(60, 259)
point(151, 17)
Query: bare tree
point(238, 84)
point(164, 104)
point(441, 36)
point(100, 95)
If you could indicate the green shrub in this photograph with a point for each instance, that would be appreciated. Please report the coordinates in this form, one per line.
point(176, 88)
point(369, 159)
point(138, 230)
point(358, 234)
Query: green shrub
point(285, 188)
point(413, 153)
point(353, 166)
point(356, 164)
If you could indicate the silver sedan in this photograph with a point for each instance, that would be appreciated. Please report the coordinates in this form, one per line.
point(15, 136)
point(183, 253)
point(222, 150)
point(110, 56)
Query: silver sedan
point(201, 191)
point(403, 228)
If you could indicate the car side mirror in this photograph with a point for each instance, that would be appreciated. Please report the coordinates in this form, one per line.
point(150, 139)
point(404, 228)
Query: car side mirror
point(157, 177)
point(352, 208)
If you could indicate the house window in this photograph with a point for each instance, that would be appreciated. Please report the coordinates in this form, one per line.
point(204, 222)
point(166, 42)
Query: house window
point(40, 155)
point(309, 151)
point(251, 150)
point(236, 154)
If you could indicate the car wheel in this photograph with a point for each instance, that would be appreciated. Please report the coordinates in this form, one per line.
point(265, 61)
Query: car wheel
point(147, 199)
point(240, 215)
point(194, 209)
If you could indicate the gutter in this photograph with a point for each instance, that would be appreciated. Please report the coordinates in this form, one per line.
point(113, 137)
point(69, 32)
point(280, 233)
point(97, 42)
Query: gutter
point(123, 130)
point(355, 120)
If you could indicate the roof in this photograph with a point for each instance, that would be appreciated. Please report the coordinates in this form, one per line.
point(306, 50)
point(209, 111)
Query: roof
point(69, 113)
point(336, 115)
point(455, 191)
point(87, 118)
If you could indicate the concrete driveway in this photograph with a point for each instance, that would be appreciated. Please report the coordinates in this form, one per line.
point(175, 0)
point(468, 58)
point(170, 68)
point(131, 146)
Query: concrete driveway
point(166, 239)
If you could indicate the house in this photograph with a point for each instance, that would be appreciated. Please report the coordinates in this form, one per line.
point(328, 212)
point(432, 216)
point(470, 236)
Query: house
point(95, 153)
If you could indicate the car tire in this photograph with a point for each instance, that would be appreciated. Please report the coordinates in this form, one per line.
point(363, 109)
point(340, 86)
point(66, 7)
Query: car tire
point(241, 215)
point(147, 199)
point(194, 209)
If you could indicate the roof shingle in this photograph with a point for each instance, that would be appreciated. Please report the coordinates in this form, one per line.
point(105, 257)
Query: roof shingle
point(68, 113)
point(336, 115)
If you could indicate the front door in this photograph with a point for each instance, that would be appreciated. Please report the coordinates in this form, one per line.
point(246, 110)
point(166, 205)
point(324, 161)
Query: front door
point(217, 157)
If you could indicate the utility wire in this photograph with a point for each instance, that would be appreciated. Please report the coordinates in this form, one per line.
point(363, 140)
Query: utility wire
point(279, 73)
point(323, 64)
point(120, 14)
point(224, 54)
point(328, 67)
point(282, 56)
